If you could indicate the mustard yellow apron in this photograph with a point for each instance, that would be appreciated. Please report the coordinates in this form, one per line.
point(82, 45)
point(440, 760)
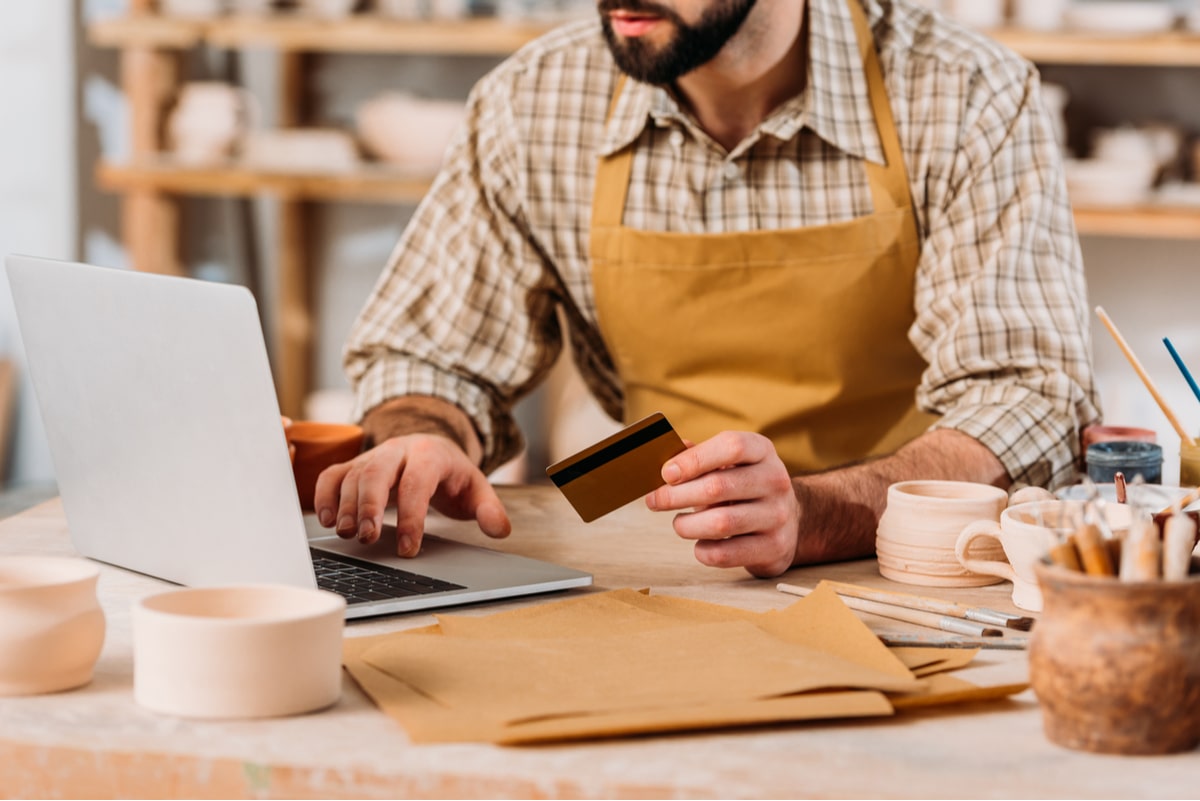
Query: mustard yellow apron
point(799, 334)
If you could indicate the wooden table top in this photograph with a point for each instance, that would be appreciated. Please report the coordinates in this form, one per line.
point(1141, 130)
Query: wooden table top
point(96, 742)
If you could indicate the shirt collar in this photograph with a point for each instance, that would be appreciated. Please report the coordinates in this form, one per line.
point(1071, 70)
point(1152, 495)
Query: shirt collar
point(835, 104)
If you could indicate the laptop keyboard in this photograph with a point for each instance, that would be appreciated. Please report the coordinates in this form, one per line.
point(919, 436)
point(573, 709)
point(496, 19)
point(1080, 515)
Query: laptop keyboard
point(359, 582)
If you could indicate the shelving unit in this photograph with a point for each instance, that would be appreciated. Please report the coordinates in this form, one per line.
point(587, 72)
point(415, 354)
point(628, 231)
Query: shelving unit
point(150, 46)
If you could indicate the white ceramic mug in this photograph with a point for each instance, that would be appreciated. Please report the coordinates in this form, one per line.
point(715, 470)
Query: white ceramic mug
point(1026, 532)
point(917, 532)
point(51, 624)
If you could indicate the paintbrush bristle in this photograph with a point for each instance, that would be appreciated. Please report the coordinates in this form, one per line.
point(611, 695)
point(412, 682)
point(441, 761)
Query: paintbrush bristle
point(1020, 623)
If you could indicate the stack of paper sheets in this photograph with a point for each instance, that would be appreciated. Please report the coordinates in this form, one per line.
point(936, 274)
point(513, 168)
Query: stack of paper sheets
point(625, 662)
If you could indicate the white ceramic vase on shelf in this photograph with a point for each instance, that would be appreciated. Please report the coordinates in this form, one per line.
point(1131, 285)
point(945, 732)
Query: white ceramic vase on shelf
point(208, 120)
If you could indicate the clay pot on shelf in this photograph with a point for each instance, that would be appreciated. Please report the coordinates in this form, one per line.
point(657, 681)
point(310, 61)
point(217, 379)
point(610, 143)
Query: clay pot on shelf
point(407, 131)
point(51, 624)
point(208, 120)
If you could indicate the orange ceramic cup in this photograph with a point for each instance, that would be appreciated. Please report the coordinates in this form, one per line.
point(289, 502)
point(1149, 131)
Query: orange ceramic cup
point(316, 446)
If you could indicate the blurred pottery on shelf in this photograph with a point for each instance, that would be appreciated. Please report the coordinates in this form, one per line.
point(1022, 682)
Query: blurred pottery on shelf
point(192, 9)
point(329, 9)
point(208, 120)
point(300, 150)
point(1039, 15)
point(408, 131)
point(51, 624)
point(1121, 17)
point(1097, 182)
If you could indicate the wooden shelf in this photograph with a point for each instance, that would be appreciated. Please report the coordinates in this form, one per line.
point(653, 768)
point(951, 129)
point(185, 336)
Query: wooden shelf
point(365, 33)
point(375, 183)
point(1159, 50)
point(355, 34)
point(371, 183)
point(1151, 222)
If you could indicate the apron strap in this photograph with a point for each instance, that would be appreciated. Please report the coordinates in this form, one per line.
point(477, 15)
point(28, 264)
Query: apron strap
point(889, 182)
point(612, 176)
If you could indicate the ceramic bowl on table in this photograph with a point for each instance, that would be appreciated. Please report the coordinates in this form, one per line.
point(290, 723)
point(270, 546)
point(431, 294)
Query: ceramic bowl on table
point(51, 624)
point(249, 651)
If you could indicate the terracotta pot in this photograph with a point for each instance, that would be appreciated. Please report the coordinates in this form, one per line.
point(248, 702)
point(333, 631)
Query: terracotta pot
point(51, 624)
point(238, 652)
point(1116, 665)
point(315, 446)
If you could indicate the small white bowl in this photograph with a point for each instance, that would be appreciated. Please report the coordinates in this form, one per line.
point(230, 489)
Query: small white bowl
point(238, 652)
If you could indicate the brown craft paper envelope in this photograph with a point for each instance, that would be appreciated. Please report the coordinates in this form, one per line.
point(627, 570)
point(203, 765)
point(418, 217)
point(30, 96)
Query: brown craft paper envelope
point(426, 721)
point(679, 667)
point(943, 689)
point(927, 661)
point(810, 706)
point(820, 621)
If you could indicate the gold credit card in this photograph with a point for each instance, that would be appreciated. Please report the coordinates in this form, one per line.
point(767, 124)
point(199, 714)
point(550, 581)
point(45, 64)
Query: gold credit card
point(618, 469)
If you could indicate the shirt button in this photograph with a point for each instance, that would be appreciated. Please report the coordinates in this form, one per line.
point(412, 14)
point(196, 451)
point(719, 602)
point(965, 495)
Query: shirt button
point(732, 172)
point(676, 139)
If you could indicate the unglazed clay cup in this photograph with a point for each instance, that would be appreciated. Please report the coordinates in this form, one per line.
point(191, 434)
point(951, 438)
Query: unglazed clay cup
point(51, 624)
point(1115, 664)
point(316, 446)
point(1026, 532)
point(920, 526)
point(249, 651)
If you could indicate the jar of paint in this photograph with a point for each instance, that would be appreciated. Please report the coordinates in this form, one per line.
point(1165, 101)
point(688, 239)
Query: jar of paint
point(1131, 457)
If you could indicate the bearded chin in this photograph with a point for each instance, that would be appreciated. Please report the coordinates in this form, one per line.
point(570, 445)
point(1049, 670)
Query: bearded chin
point(691, 47)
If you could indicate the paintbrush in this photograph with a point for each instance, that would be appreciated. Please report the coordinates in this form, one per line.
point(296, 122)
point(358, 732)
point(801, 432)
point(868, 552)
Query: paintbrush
point(935, 605)
point(1187, 374)
point(1142, 374)
point(916, 616)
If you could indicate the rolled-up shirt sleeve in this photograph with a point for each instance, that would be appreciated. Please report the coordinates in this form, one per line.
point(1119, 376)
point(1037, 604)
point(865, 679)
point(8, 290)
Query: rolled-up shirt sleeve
point(1001, 302)
point(464, 309)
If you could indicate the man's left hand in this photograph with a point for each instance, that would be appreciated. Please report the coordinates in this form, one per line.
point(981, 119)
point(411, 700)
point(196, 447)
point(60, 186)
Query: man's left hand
point(742, 507)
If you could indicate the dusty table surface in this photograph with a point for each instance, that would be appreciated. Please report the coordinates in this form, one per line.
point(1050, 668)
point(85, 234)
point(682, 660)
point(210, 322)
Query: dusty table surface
point(96, 742)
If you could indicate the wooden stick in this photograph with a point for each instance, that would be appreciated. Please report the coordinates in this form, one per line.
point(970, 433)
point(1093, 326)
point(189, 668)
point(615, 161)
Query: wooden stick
point(1097, 561)
point(935, 605)
point(1142, 374)
point(1184, 502)
point(917, 617)
point(1065, 555)
point(1119, 483)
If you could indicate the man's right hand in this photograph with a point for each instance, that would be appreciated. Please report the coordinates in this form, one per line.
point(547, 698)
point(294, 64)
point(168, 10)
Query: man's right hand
point(424, 470)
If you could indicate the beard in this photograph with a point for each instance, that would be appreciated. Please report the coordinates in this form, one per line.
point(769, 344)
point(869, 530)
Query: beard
point(692, 46)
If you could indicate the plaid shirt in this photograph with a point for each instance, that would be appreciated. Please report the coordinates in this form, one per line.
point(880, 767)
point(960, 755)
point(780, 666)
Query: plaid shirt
point(466, 307)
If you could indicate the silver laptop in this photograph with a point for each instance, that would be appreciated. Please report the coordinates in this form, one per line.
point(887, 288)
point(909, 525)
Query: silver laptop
point(164, 429)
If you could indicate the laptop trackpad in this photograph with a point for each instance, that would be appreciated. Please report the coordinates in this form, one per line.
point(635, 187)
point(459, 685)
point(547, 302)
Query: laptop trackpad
point(472, 566)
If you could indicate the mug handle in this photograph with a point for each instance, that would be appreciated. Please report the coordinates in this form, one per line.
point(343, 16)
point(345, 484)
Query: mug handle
point(988, 567)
